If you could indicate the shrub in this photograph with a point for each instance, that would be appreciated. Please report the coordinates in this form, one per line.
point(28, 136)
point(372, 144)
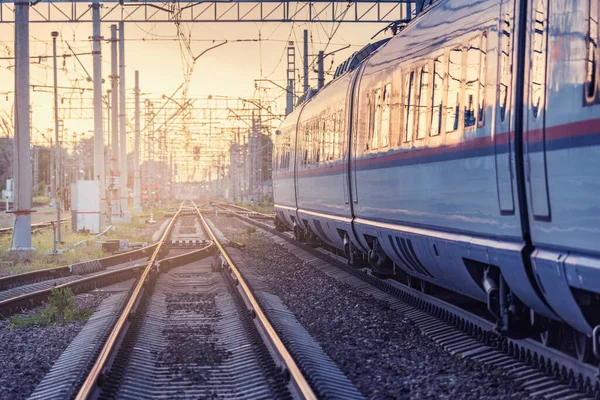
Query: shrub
point(60, 309)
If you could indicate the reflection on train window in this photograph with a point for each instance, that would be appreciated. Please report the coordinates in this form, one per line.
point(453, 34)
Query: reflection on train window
point(472, 81)
point(316, 141)
point(538, 58)
point(424, 101)
point(286, 152)
point(409, 98)
point(376, 120)
point(592, 52)
point(482, 79)
point(325, 134)
point(385, 115)
point(439, 71)
point(338, 134)
point(505, 62)
point(454, 86)
point(370, 119)
point(306, 141)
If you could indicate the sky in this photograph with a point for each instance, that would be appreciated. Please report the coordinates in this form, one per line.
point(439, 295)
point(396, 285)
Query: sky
point(156, 50)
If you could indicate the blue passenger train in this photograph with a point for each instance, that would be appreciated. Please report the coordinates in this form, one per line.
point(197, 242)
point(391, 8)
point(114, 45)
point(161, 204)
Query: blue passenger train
point(464, 153)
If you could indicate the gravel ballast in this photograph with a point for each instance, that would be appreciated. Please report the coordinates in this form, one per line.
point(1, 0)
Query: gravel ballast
point(381, 351)
point(26, 355)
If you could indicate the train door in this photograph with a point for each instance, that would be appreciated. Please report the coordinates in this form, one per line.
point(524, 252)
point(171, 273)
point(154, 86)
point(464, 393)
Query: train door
point(503, 136)
point(535, 111)
point(352, 147)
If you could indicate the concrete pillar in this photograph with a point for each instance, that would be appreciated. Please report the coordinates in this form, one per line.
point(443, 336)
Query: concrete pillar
point(123, 126)
point(137, 203)
point(57, 151)
point(115, 194)
point(21, 156)
point(99, 171)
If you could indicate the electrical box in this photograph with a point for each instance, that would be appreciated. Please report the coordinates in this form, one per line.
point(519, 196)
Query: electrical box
point(85, 206)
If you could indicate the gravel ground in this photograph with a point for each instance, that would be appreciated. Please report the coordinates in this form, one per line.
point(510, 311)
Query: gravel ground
point(26, 355)
point(379, 349)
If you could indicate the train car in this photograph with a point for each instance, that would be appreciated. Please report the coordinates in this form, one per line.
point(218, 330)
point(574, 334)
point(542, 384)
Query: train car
point(471, 161)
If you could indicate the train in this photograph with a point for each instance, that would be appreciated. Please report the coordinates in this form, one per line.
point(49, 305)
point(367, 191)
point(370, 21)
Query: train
point(463, 153)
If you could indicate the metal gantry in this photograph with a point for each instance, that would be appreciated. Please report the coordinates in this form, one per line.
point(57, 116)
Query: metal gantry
point(114, 11)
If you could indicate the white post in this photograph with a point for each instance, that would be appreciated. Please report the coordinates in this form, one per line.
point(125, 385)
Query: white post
point(114, 142)
point(137, 207)
point(99, 172)
point(21, 163)
point(57, 162)
point(123, 125)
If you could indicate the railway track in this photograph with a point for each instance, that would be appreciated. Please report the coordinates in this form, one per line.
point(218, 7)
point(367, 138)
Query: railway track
point(121, 274)
point(546, 372)
point(192, 331)
point(35, 227)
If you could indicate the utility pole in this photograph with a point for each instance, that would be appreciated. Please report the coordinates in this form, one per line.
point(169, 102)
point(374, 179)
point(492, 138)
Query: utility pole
point(57, 170)
point(21, 156)
point(321, 70)
point(114, 143)
point(99, 172)
point(305, 61)
point(137, 207)
point(123, 125)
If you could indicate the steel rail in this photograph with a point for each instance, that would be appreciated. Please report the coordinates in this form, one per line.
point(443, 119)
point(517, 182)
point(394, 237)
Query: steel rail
point(28, 300)
point(11, 281)
point(93, 380)
point(245, 210)
point(473, 325)
point(293, 369)
point(34, 227)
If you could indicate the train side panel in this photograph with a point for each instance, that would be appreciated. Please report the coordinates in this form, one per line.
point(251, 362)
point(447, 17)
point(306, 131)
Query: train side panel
point(284, 154)
point(440, 197)
point(321, 178)
point(562, 150)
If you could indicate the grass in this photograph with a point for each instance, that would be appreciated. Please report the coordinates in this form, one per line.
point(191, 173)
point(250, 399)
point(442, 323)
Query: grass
point(60, 309)
point(249, 231)
point(42, 241)
point(41, 199)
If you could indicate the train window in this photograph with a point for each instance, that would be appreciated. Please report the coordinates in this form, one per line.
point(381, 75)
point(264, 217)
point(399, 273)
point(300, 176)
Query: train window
point(454, 87)
point(336, 135)
point(341, 134)
point(538, 58)
point(305, 143)
point(286, 152)
point(472, 81)
point(424, 101)
point(439, 72)
point(312, 145)
point(325, 153)
point(592, 52)
point(332, 137)
point(409, 98)
point(376, 119)
point(369, 122)
point(505, 62)
point(482, 79)
point(385, 115)
point(318, 141)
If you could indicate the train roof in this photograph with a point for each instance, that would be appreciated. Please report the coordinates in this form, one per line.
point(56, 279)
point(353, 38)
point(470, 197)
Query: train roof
point(358, 57)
